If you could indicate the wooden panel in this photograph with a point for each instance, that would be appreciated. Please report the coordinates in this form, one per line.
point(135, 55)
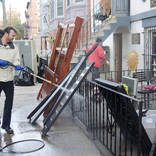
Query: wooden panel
point(56, 44)
point(47, 87)
point(63, 62)
point(72, 45)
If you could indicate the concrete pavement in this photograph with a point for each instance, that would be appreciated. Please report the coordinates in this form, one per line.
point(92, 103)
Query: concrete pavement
point(65, 138)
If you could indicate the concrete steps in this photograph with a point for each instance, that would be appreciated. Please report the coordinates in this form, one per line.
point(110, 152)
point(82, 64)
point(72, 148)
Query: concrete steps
point(106, 26)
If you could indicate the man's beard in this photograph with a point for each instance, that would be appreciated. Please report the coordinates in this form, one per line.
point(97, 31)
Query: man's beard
point(10, 41)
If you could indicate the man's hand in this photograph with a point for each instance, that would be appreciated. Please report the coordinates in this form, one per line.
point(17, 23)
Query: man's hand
point(3, 62)
point(18, 67)
point(107, 62)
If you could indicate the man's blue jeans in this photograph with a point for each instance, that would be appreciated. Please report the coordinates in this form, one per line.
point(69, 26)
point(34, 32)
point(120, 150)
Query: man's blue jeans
point(95, 73)
point(8, 88)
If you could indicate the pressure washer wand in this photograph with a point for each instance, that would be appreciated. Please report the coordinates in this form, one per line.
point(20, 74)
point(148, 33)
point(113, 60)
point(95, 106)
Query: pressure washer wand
point(10, 64)
point(39, 77)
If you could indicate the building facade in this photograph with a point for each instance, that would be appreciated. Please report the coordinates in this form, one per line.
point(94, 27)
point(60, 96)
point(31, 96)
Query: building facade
point(33, 21)
point(133, 29)
point(64, 11)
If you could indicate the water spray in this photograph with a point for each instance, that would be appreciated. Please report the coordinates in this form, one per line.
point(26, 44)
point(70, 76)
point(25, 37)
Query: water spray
point(60, 87)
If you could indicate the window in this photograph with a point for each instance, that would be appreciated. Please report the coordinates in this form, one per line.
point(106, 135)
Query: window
point(136, 38)
point(68, 2)
point(59, 7)
point(153, 3)
point(38, 15)
point(38, 5)
point(38, 28)
point(45, 26)
point(52, 9)
point(77, 1)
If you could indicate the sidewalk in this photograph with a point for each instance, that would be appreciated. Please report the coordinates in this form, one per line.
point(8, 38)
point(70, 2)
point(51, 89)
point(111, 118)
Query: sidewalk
point(64, 138)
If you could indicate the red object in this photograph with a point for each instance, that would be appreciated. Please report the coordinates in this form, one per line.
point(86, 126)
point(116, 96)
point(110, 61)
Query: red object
point(96, 56)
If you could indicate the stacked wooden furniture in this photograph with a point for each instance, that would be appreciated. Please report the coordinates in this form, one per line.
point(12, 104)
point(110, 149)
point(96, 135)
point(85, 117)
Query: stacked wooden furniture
point(60, 63)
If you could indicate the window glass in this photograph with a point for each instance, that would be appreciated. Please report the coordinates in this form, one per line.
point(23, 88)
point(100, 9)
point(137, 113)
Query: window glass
point(68, 2)
point(38, 15)
point(136, 38)
point(45, 26)
point(153, 3)
point(59, 7)
point(76, 1)
point(38, 28)
point(52, 9)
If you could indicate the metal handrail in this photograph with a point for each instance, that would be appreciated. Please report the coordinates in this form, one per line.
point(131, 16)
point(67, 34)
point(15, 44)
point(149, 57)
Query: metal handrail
point(105, 113)
point(88, 29)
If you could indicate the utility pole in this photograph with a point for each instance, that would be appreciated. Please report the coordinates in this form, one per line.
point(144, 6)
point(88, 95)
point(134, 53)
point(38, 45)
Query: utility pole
point(10, 15)
point(4, 14)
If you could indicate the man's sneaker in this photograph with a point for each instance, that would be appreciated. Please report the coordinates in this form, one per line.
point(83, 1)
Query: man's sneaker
point(9, 130)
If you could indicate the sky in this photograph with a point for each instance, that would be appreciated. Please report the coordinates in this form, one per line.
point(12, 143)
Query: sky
point(19, 5)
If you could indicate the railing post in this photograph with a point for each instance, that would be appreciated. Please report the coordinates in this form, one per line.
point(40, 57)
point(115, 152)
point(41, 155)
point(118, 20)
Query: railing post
point(87, 35)
point(140, 129)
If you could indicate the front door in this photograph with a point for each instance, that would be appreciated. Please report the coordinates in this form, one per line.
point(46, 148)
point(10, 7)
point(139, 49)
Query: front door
point(118, 56)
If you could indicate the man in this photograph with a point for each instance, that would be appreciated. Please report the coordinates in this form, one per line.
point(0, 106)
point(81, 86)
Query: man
point(8, 52)
point(96, 56)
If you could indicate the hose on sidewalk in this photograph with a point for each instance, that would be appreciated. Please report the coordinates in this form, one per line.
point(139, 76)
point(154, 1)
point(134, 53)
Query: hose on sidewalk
point(42, 144)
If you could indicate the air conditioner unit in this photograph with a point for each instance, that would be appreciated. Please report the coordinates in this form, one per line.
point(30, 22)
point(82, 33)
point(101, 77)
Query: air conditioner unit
point(132, 84)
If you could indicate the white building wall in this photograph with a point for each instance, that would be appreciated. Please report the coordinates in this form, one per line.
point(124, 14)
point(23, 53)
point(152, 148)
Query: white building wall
point(136, 27)
point(138, 6)
point(127, 45)
point(109, 43)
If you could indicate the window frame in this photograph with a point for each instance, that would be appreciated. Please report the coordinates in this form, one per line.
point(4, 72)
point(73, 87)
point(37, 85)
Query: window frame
point(38, 28)
point(68, 3)
point(152, 5)
point(51, 9)
point(79, 2)
point(136, 38)
point(60, 7)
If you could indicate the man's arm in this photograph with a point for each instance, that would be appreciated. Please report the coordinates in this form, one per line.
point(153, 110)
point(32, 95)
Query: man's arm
point(102, 56)
point(101, 53)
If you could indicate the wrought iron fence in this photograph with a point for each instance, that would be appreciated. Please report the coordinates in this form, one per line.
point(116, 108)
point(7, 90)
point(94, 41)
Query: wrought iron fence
point(117, 75)
point(110, 121)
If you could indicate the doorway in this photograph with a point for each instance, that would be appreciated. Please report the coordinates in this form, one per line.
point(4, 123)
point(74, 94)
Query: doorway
point(118, 57)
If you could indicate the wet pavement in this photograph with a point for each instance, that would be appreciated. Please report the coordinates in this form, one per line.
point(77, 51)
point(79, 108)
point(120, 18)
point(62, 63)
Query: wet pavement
point(65, 138)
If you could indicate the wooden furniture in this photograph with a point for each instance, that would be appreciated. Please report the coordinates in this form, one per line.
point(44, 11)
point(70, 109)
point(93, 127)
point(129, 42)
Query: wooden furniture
point(106, 6)
point(60, 63)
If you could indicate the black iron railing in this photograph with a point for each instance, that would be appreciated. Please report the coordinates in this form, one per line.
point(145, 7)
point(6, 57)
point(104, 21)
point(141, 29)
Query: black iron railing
point(143, 75)
point(110, 121)
point(93, 23)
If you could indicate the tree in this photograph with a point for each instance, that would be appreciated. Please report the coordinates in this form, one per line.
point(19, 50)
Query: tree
point(13, 19)
point(20, 29)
